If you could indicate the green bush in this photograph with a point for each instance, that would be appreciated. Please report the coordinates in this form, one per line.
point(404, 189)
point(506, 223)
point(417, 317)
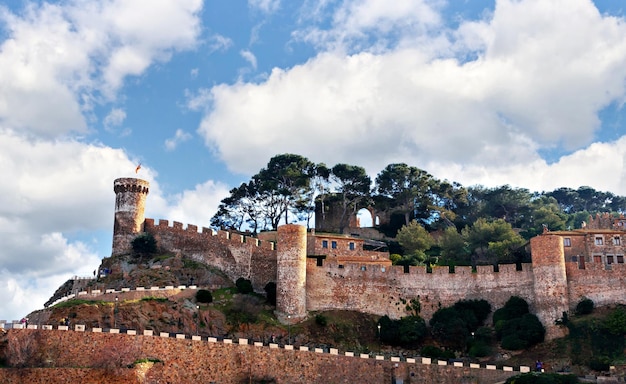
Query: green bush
point(270, 293)
point(513, 308)
point(480, 349)
point(204, 296)
point(406, 331)
point(542, 378)
point(436, 353)
point(584, 307)
point(600, 364)
point(244, 286)
point(144, 244)
point(515, 327)
point(321, 320)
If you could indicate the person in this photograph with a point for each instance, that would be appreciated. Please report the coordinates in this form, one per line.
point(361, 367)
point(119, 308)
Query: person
point(538, 366)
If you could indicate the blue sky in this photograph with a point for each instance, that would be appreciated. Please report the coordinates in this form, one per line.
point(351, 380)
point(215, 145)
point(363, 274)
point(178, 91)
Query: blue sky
point(527, 92)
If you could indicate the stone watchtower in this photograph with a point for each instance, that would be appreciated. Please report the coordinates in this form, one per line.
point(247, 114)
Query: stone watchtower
point(550, 285)
point(291, 273)
point(130, 203)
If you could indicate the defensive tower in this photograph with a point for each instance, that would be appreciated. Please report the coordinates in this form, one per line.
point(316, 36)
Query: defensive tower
point(130, 203)
point(291, 273)
point(550, 285)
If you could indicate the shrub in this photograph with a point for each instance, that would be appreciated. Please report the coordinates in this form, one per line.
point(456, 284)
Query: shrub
point(515, 327)
point(244, 286)
point(270, 292)
point(204, 296)
point(436, 353)
point(513, 308)
point(321, 320)
point(584, 307)
point(144, 244)
point(412, 329)
point(600, 364)
point(542, 378)
point(480, 349)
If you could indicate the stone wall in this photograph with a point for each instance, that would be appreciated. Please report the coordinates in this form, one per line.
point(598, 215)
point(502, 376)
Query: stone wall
point(386, 290)
point(181, 360)
point(236, 255)
point(604, 285)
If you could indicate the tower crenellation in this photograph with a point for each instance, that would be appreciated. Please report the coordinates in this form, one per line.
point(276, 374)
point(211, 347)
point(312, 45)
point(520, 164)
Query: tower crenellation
point(130, 204)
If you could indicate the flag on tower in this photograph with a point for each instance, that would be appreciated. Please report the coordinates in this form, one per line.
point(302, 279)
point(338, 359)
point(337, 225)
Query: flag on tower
point(138, 168)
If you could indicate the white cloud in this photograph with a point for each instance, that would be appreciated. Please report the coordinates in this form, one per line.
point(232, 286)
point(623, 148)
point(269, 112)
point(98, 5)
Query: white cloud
point(218, 42)
point(195, 206)
point(249, 57)
point(114, 119)
point(179, 137)
point(483, 98)
point(266, 6)
point(58, 60)
point(370, 24)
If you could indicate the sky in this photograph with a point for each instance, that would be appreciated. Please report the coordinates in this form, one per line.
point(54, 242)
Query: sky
point(528, 93)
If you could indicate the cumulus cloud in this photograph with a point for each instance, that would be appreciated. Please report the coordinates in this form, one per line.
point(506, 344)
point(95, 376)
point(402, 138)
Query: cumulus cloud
point(179, 137)
point(486, 96)
point(59, 60)
point(195, 206)
point(249, 57)
point(114, 119)
point(266, 6)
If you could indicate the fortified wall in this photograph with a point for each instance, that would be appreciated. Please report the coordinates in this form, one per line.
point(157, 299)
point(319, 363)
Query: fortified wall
point(311, 277)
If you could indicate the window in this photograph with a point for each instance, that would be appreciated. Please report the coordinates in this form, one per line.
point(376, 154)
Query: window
point(597, 259)
point(617, 240)
point(567, 242)
point(351, 245)
point(324, 243)
point(599, 240)
point(620, 259)
point(609, 259)
point(333, 244)
point(363, 268)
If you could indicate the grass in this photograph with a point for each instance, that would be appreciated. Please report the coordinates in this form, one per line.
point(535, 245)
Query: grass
point(75, 302)
point(152, 298)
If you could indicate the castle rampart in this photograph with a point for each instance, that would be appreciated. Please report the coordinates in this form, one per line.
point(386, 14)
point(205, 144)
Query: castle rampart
point(341, 274)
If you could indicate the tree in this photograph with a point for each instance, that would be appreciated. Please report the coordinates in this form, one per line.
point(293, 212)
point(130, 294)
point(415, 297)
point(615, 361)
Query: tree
point(244, 286)
point(288, 178)
point(204, 296)
point(410, 189)
point(144, 244)
point(270, 292)
point(454, 248)
point(414, 239)
point(494, 240)
point(353, 186)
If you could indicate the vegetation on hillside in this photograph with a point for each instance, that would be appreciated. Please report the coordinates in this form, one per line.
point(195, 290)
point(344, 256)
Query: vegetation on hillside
point(474, 225)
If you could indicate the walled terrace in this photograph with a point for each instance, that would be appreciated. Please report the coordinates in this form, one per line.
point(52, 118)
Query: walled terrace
point(185, 358)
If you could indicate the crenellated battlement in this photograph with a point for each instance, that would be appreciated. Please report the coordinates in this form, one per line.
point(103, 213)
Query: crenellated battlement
point(206, 233)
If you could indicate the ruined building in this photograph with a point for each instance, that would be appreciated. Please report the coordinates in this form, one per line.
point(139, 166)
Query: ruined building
point(316, 271)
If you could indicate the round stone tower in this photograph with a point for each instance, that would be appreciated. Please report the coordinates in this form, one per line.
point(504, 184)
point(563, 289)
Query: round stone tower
point(291, 273)
point(551, 297)
point(130, 203)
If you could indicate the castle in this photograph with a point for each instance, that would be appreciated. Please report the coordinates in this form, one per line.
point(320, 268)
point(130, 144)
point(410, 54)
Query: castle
point(315, 271)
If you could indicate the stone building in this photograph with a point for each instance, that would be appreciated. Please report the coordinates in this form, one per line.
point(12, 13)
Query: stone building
point(321, 271)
